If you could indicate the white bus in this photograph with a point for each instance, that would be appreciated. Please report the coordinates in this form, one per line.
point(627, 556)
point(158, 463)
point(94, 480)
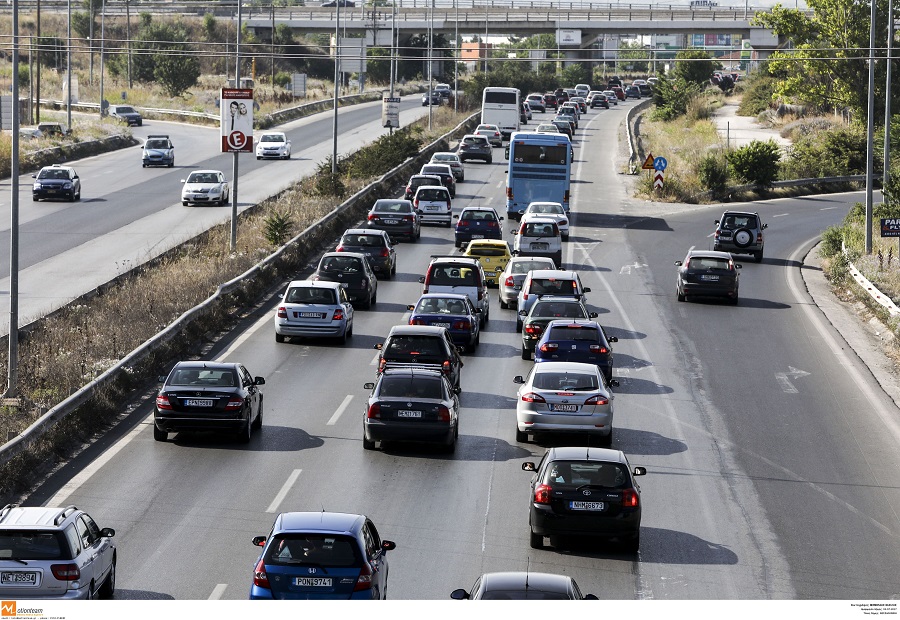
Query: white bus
point(500, 107)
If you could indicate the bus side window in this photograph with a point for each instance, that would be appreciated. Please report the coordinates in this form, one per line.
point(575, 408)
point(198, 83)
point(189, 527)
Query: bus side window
point(506, 153)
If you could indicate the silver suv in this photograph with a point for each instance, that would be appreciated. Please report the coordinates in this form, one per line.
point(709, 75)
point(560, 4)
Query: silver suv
point(740, 232)
point(55, 553)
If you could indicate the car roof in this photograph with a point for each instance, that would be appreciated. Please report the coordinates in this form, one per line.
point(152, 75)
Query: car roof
point(428, 176)
point(537, 219)
point(333, 522)
point(489, 209)
point(445, 153)
point(365, 231)
point(56, 167)
point(552, 273)
point(206, 365)
point(272, 133)
point(473, 135)
point(338, 254)
point(392, 201)
point(580, 453)
point(443, 296)
point(464, 260)
point(412, 371)
point(49, 517)
point(490, 242)
point(204, 171)
point(517, 580)
point(416, 330)
point(709, 254)
point(744, 213)
point(315, 283)
point(421, 187)
point(567, 322)
point(557, 299)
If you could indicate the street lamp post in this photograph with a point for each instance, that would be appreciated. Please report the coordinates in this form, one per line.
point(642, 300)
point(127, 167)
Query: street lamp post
point(456, 60)
point(430, 65)
point(102, 46)
point(69, 67)
point(337, 75)
point(887, 100)
point(13, 359)
point(234, 161)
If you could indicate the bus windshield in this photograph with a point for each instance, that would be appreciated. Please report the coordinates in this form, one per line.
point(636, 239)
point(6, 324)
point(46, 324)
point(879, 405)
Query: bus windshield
point(541, 154)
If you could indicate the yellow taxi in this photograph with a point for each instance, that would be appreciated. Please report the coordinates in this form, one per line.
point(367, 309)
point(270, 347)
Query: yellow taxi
point(493, 256)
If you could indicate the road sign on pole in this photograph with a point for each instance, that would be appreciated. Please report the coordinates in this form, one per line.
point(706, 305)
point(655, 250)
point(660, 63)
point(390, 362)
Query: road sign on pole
point(648, 163)
point(658, 179)
point(236, 109)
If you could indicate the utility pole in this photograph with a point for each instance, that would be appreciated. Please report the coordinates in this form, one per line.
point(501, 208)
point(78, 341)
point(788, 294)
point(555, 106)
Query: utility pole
point(430, 66)
point(337, 76)
point(234, 161)
point(69, 67)
point(102, 46)
point(37, 73)
point(273, 47)
point(870, 131)
point(887, 101)
point(128, 39)
point(456, 61)
point(12, 379)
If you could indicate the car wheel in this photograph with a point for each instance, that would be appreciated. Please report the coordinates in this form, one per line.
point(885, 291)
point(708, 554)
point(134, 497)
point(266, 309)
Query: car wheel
point(367, 304)
point(733, 300)
point(245, 433)
point(394, 269)
point(606, 441)
point(171, 164)
point(159, 434)
point(450, 448)
point(742, 237)
point(518, 327)
point(503, 305)
point(526, 354)
point(565, 237)
point(108, 588)
point(679, 295)
point(758, 256)
point(367, 445)
point(257, 423)
point(521, 436)
point(280, 337)
point(258, 158)
point(375, 297)
point(490, 160)
point(143, 165)
point(536, 540)
point(343, 337)
point(72, 197)
point(633, 544)
point(184, 203)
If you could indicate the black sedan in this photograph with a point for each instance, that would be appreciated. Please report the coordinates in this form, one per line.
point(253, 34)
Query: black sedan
point(398, 218)
point(375, 245)
point(412, 404)
point(352, 270)
point(435, 96)
point(522, 586)
point(707, 273)
point(585, 492)
point(208, 396)
point(56, 182)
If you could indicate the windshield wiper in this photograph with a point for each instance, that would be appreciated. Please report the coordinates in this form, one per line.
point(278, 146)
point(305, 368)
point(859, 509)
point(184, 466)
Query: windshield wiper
point(20, 561)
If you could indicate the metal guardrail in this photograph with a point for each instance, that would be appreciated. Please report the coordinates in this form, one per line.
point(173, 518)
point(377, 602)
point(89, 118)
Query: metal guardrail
point(871, 290)
point(20, 443)
point(632, 149)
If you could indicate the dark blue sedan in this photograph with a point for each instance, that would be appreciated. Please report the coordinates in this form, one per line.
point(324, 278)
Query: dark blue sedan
point(321, 555)
point(477, 223)
point(454, 312)
point(570, 340)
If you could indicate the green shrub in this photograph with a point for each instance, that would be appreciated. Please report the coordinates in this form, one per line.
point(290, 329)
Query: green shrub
point(672, 97)
point(831, 241)
point(328, 183)
point(713, 174)
point(387, 152)
point(757, 95)
point(836, 152)
point(837, 269)
point(756, 162)
point(277, 227)
point(283, 79)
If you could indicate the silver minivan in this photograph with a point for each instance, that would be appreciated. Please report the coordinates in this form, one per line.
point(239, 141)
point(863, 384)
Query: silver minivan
point(433, 202)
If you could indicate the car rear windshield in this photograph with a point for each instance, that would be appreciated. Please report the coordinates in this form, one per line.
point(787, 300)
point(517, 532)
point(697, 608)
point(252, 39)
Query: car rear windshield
point(471, 140)
point(531, 594)
point(411, 348)
point(310, 295)
point(32, 545)
point(344, 264)
point(203, 377)
point(432, 194)
point(557, 309)
point(552, 286)
point(566, 381)
point(579, 473)
point(53, 173)
point(449, 275)
point(540, 230)
point(709, 263)
point(323, 550)
point(486, 250)
point(376, 241)
point(438, 305)
point(393, 207)
point(434, 170)
point(411, 387)
point(575, 332)
point(524, 266)
point(739, 221)
point(485, 216)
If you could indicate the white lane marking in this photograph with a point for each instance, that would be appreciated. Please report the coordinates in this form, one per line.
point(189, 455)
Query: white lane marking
point(786, 386)
point(374, 361)
point(827, 208)
point(781, 215)
point(340, 410)
point(85, 474)
point(487, 508)
point(284, 490)
point(244, 337)
point(217, 592)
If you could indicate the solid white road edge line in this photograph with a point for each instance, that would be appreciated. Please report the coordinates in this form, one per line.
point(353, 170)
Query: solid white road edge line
point(284, 490)
point(340, 410)
point(217, 592)
point(243, 337)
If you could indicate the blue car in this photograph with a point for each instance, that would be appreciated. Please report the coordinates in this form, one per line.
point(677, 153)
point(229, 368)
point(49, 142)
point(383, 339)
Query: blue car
point(571, 340)
point(454, 312)
point(321, 555)
point(477, 223)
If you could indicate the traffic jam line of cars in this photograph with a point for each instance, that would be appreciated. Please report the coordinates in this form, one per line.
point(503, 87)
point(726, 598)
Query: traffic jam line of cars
point(586, 490)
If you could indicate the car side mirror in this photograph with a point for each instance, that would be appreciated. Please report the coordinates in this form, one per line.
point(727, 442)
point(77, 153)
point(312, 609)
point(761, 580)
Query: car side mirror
point(501, 219)
point(591, 597)
point(460, 349)
point(34, 176)
point(593, 315)
point(388, 545)
point(506, 153)
point(422, 279)
point(379, 346)
point(738, 266)
point(717, 221)
point(259, 381)
point(764, 226)
point(161, 379)
point(258, 541)
point(613, 339)
point(640, 471)
point(613, 383)
point(519, 379)
point(514, 231)
point(410, 307)
point(459, 595)
point(455, 217)
point(456, 390)
point(522, 313)
point(369, 386)
point(479, 311)
point(678, 263)
point(107, 532)
point(586, 289)
point(518, 287)
point(528, 466)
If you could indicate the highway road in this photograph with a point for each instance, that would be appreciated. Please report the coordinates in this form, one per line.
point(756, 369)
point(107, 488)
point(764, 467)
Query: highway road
point(771, 453)
point(129, 214)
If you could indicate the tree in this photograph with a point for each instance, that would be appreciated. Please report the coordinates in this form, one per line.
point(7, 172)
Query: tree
point(176, 72)
point(694, 66)
point(378, 65)
point(671, 96)
point(635, 55)
point(162, 56)
point(756, 162)
point(827, 65)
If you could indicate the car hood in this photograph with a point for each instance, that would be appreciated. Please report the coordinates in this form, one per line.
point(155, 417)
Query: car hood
point(196, 187)
point(159, 152)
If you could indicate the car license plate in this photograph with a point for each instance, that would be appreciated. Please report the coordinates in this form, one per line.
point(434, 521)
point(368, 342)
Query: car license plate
point(569, 408)
point(587, 505)
point(447, 325)
point(709, 278)
point(198, 402)
point(309, 315)
point(313, 582)
point(431, 208)
point(391, 221)
point(478, 236)
point(19, 577)
point(407, 413)
point(539, 246)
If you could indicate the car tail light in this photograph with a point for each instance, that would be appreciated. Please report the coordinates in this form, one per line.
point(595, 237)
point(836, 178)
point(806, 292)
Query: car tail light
point(408, 218)
point(596, 348)
point(372, 217)
point(443, 413)
point(416, 322)
point(534, 330)
point(510, 281)
point(542, 494)
point(599, 399)
point(687, 264)
point(563, 222)
point(162, 402)
point(547, 347)
point(374, 411)
point(364, 581)
point(522, 229)
point(338, 315)
point(493, 224)
point(630, 498)
point(282, 312)
point(365, 283)
point(385, 252)
point(445, 367)
point(532, 397)
point(381, 364)
point(260, 578)
point(461, 324)
point(717, 234)
point(235, 402)
point(339, 248)
point(65, 572)
point(462, 224)
point(759, 237)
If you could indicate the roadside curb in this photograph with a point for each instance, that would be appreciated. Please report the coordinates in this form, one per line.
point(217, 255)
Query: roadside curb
point(865, 339)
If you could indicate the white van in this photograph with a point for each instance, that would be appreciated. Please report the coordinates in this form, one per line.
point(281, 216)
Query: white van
point(502, 107)
point(582, 90)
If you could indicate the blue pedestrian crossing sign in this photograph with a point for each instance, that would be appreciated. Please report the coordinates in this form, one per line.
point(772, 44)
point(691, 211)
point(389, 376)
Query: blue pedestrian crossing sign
point(660, 164)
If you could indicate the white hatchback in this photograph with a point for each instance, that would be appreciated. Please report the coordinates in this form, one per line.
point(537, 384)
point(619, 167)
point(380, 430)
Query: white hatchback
point(273, 144)
point(552, 210)
point(538, 236)
point(433, 203)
